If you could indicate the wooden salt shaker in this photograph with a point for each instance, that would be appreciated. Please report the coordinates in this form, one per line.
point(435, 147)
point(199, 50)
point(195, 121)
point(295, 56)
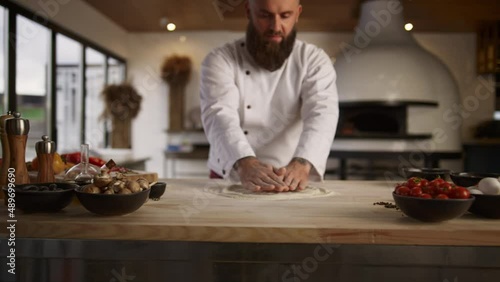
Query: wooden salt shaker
point(45, 150)
point(5, 150)
point(17, 130)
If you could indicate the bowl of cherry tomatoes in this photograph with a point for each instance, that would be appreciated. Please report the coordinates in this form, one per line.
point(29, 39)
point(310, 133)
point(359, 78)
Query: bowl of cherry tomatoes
point(432, 201)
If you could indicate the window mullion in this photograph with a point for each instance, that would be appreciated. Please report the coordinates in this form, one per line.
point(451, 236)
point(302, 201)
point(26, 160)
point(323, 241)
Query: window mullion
point(10, 61)
point(51, 101)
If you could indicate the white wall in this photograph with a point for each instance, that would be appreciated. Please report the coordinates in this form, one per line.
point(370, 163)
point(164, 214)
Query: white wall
point(82, 19)
point(458, 52)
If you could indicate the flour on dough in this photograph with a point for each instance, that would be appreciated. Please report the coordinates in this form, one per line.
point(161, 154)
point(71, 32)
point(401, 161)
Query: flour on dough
point(239, 192)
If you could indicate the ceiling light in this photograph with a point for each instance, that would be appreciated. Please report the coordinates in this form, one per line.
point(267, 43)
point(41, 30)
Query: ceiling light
point(171, 27)
point(408, 26)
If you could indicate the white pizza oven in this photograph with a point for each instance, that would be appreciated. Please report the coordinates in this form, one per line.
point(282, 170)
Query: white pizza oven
point(393, 94)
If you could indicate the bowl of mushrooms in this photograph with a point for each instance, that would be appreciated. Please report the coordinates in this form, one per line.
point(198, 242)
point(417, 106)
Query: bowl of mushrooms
point(116, 195)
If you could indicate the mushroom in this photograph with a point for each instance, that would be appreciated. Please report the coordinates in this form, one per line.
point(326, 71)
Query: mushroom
point(143, 183)
point(125, 191)
point(119, 176)
point(117, 186)
point(133, 186)
point(109, 192)
point(92, 189)
point(102, 180)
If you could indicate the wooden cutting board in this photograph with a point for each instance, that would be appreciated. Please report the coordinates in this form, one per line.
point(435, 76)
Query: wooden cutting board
point(152, 177)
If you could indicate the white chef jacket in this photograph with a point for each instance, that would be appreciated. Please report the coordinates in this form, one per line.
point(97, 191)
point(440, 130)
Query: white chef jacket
point(274, 116)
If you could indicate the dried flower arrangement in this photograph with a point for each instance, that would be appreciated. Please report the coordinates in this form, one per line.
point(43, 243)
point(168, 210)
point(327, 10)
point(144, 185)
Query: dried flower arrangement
point(176, 71)
point(122, 104)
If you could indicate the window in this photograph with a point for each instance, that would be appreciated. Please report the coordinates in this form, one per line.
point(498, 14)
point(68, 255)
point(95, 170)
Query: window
point(69, 95)
point(2, 60)
point(59, 95)
point(116, 71)
point(32, 49)
point(94, 105)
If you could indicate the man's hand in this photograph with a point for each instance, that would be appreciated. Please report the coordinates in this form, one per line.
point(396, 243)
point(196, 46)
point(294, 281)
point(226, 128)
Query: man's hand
point(297, 174)
point(258, 176)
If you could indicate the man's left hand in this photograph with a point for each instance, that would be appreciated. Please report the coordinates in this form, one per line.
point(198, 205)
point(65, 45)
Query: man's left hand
point(297, 174)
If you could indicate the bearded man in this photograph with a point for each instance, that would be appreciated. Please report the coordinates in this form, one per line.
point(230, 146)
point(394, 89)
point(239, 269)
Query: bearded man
point(269, 103)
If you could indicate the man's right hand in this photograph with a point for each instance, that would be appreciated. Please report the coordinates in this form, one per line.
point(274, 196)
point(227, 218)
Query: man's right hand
point(258, 176)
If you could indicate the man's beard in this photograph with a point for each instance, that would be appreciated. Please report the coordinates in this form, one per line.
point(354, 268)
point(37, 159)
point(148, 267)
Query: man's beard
point(267, 54)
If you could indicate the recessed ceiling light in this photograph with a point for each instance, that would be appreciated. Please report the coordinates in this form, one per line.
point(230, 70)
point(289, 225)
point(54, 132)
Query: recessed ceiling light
point(171, 27)
point(408, 26)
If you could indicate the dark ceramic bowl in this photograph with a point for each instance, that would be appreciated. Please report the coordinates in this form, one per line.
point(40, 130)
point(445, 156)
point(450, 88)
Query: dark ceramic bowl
point(467, 179)
point(427, 173)
point(38, 197)
point(157, 190)
point(486, 206)
point(432, 210)
point(116, 204)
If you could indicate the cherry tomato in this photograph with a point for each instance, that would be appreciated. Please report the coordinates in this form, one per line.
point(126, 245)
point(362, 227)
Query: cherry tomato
point(445, 188)
point(442, 197)
point(426, 196)
point(415, 192)
point(414, 182)
point(427, 189)
point(431, 188)
point(433, 184)
point(403, 190)
point(459, 193)
point(437, 181)
point(424, 182)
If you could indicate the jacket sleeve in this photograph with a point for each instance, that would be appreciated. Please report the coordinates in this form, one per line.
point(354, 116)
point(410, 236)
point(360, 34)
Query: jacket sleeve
point(219, 101)
point(319, 112)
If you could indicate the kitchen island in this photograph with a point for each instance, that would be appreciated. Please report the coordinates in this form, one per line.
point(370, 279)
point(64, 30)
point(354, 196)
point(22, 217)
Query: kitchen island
point(193, 235)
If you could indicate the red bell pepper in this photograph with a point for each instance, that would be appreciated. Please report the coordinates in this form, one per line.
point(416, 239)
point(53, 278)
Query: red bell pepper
point(76, 159)
point(96, 161)
point(72, 157)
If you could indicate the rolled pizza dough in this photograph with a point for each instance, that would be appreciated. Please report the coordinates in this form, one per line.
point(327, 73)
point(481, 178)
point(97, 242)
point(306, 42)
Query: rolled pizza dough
point(236, 191)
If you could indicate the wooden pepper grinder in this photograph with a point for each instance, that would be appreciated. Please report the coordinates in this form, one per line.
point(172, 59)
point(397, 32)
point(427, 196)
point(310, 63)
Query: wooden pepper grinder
point(17, 130)
point(5, 150)
point(45, 150)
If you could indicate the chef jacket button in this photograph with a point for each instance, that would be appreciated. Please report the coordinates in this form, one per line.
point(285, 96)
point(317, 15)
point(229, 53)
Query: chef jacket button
point(223, 171)
point(246, 132)
point(247, 72)
point(218, 160)
point(249, 107)
point(242, 44)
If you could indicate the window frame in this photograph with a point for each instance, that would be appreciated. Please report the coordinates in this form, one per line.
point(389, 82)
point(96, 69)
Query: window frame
point(10, 31)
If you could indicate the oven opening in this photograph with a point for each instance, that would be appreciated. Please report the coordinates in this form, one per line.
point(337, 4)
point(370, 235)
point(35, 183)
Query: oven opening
point(372, 121)
point(375, 123)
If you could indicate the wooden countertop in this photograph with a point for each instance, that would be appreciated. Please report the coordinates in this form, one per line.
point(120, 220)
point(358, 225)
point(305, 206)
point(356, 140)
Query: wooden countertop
point(186, 212)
